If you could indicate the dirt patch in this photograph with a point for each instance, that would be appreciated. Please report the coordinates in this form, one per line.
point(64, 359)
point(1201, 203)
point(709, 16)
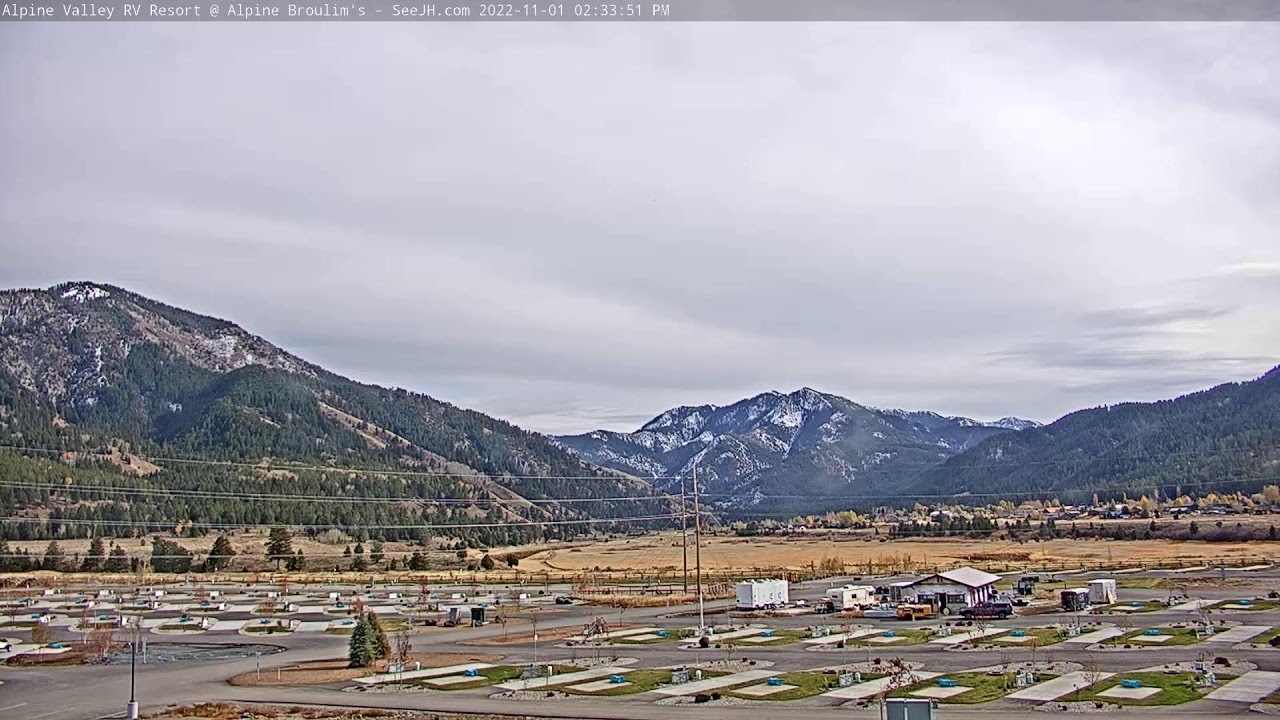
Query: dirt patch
point(68, 658)
point(324, 672)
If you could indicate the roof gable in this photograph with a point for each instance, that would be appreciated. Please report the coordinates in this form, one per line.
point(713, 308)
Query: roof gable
point(967, 576)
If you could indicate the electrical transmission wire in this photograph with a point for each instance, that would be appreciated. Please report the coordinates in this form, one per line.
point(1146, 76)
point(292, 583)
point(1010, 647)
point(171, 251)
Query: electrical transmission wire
point(286, 497)
point(327, 526)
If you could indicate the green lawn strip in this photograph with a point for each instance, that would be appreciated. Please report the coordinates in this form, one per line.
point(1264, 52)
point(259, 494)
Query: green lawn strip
point(984, 687)
point(1254, 605)
point(780, 637)
point(1177, 688)
point(640, 681)
point(913, 637)
point(1043, 636)
point(1144, 606)
point(1273, 698)
point(19, 624)
point(493, 676)
point(1177, 636)
point(183, 627)
point(671, 635)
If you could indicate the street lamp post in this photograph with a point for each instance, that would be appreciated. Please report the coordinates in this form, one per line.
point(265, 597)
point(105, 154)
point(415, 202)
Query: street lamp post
point(131, 710)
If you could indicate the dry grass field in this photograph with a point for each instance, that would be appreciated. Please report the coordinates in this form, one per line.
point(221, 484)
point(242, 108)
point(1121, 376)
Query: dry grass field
point(856, 552)
point(799, 551)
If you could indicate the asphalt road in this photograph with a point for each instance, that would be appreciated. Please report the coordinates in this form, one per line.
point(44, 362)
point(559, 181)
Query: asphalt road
point(84, 692)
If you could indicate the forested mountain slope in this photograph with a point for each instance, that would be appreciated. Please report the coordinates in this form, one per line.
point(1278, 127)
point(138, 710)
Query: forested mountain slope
point(114, 378)
point(1227, 438)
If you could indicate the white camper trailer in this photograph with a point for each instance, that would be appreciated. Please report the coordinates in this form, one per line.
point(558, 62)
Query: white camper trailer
point(850, 597)
point(1102, 592)
point(757, 594)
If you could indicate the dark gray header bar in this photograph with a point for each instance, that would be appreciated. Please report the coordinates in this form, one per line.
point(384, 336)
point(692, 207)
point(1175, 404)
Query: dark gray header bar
point(671, 10)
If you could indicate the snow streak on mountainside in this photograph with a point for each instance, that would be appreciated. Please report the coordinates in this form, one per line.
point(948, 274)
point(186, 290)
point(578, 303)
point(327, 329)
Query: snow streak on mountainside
point(805, 449)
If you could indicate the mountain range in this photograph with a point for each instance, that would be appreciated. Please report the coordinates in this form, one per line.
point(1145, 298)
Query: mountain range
point(800, 450)
point(121, 411)
point(104, 375)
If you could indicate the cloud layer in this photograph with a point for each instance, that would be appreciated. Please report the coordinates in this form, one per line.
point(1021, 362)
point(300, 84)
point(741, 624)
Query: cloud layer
point(579, 226)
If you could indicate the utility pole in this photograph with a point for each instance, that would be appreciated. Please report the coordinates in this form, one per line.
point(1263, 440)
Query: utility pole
point(131, 710)
point(534, 615)
point(697, 547)
point(684, 535)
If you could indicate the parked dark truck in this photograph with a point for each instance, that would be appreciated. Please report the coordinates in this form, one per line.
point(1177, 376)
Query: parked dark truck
point(999, 611)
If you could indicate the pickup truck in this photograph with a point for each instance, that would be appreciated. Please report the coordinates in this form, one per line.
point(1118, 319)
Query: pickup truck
point(990, 610)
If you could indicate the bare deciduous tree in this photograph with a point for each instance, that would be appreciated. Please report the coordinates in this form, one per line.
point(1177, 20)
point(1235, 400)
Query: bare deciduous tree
point(403, 647)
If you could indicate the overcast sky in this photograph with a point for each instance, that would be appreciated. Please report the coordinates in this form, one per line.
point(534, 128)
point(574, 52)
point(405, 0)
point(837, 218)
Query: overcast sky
point(578, 226)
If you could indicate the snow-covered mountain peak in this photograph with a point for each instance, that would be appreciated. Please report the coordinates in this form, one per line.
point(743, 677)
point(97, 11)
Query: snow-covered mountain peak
point(766, 443)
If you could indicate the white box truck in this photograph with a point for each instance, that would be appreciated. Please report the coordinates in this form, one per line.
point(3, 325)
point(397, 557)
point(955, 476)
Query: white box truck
point(760, 594)
point(1102, 591)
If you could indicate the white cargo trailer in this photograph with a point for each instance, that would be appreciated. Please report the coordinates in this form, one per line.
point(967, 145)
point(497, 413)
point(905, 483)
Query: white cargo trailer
point(757, 594)
point(849, 597)
point(1102, 591)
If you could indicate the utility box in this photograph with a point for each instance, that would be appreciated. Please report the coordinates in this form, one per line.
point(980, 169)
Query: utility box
point(477, 616)
point(909, 708)
point(758, 594)
point(1102, 591)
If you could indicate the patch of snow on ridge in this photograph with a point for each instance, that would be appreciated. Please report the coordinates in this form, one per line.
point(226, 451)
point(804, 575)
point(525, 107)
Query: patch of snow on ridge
point(83, 293)
point(786, 415)
point(222, 347)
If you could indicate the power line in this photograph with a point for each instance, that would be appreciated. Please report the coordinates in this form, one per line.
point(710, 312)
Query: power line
point(266, 465)
point(284, 497)
point(235, 526)
point(1134, 486)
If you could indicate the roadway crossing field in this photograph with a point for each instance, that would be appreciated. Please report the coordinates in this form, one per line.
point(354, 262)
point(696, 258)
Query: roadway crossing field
point(715, 683)
point(1096, 636)
point(1056, 688)
point(1250, 687)
point(566, 679)
point(423, 673)
point(966, 637)
point(872, 687)
point(851, 635)
point(1237, 634)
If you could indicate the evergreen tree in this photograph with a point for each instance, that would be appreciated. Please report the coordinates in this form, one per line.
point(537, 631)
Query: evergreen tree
point(53, 557)
point(279, 545)
point(380, 642)
point(219, 555)
point(357, 560)
point(117, 561)
point(169, 557)
point(97, 554)
point(486, 562)
point(375, 552)
point(362, 650)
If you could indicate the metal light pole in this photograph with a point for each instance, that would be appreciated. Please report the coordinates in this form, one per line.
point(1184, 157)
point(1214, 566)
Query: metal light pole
point(131, 710)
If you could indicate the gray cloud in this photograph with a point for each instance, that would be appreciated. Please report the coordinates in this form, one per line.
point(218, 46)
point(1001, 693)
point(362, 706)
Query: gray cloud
point(578, 226)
